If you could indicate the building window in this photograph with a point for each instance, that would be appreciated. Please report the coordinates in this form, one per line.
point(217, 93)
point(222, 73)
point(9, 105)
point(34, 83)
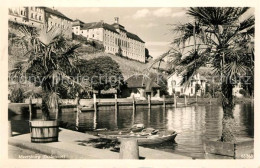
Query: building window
point(173, 83)
point(40, 18)
point(35, 16)
point(32, 15)
point(21, 12)
point(191, 91)
point(93, 35)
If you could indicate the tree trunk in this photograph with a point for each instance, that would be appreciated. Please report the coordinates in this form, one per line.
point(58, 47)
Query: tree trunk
point(228, 121)
point(45, 110)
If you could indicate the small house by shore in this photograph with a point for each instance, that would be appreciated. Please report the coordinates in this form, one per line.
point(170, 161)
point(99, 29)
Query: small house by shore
point(140, 86)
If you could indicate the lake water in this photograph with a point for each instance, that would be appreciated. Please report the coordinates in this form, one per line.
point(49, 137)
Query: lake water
point(193, 124)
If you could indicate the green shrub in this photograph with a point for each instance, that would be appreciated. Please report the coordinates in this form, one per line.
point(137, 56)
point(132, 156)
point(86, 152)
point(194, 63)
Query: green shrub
point(181, 96)
point(243, 92)
point(218, 94)
point(16, 95)
point(207, 95)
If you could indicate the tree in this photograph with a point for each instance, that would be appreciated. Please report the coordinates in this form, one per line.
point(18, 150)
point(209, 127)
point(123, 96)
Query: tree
point(101, 73)
point(162, 82)
point(197, 88)
point(119, 53)
point(50, 57)
point(222, 37)
point(16, 95)
point(147, 54)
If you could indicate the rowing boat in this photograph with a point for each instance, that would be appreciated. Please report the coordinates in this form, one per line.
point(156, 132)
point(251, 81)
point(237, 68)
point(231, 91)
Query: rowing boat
point(143, 139)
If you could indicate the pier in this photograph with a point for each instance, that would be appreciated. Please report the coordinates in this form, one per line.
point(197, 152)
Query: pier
point(70, 147)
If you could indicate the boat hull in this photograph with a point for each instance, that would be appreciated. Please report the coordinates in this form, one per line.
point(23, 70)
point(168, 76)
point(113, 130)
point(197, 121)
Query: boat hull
point(143, 140)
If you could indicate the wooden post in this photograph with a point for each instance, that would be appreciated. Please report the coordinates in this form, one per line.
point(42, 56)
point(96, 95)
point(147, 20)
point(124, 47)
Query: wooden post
point(134, 105)
point(95, 102)
point(116, 104)
point(10, 134)
point(148, 117)
point(129, 148)
point(185, 100)
point(116, 110)
point(57, 111)
point(30, 108)
point(78, 111)
point(133, 113)
point(149, 102)
point(164, 104)
point(175, 100)
point(95, 111)
point(196, 98)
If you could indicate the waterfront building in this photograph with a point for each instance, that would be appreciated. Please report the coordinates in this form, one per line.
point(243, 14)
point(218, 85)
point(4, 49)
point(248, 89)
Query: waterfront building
point(40, 17)
point(174, 85)
point(140, 86)
point(115, 38)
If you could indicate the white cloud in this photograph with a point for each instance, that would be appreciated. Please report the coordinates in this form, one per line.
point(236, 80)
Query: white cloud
point(178, 14)
point(149, 25)
point(141, 13)
point(157, 43)
point(92, 10)
point(163, 12)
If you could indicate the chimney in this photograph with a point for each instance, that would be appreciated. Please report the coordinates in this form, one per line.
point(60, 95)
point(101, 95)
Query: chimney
point(117, 20)
point(102, 21)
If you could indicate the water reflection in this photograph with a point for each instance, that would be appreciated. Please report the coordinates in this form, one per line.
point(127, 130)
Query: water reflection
point(192, 123)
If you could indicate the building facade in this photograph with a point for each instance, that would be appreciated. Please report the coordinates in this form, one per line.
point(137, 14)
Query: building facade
point(174, 85)
point(40, 17)
point(32, 16)
point(115, 38)
point(54, 18)
point(77, 25)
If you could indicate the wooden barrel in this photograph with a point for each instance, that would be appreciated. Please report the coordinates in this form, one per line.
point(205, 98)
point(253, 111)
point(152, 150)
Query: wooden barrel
point(44, 131)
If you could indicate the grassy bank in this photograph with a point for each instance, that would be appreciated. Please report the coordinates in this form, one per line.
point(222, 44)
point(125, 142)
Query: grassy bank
point(127, 66)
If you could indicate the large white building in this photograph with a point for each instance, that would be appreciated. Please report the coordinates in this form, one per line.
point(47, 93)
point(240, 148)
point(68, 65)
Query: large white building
point(40, 17)
point(115, 38)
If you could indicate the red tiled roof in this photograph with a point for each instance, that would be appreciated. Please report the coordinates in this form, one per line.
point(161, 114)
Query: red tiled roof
point(56, 12)
point(139, 81)
point(133, 36)
point(112, 28)
point(94, 25)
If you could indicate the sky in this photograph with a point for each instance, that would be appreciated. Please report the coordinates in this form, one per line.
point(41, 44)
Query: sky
point(152, 25)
